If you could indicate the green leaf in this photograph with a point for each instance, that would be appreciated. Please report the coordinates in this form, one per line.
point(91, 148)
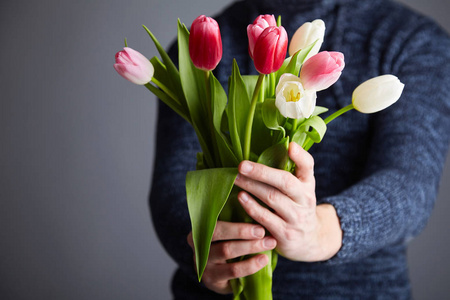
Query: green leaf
point(168, 101)
point(207, 192)
point(314, 127)
point(250, 83)
point(276, 156)
point(319, 110)
point(271, 116)
point(218, 104)
point(237, 110)
point(297, 60)
point(171, 68)
point(193, 84)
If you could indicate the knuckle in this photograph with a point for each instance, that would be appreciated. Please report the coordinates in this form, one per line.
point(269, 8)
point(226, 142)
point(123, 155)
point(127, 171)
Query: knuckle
point(225, 250)
point(272, 197)
point(290, 183)
point(235, 270)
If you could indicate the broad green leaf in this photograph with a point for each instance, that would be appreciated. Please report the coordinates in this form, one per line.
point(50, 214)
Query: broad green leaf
point(193, 84)
point(297, 60)
point(237, 110)
point(271, 116)
point(207, 192)
point(218, 104)
point(314, 127)
point(319, 110)
point(276, 156)
point(250, 83)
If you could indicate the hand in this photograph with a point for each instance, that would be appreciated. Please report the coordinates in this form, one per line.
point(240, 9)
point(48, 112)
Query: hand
point(231, 240)
point(303, 230)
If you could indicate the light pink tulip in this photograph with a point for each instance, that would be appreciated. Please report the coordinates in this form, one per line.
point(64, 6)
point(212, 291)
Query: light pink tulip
point(205, 43)
point(254, 30)
point(270, 49)
point(322, 70)
point(133, 66)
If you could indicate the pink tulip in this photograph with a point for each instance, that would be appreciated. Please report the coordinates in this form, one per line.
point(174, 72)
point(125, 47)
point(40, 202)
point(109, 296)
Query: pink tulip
point(254, 30)
point(133, 66)
point(322, 70)
point(270, 49)
point(205, 43)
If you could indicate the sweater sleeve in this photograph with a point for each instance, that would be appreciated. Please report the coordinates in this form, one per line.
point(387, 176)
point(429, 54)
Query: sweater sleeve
point(393, 200)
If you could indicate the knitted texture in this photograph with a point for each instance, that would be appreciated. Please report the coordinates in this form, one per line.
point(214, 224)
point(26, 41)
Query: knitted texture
point(381, 171)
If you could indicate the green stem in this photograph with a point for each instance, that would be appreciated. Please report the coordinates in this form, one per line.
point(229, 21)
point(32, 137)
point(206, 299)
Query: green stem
point(251, 114)
point(308, 142)
point(338, 113)
point(166, 90)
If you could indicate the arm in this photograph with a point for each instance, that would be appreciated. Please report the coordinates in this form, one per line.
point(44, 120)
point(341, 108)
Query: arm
point(394, 198)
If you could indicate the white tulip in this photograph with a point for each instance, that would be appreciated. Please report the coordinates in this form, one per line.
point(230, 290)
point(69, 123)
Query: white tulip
point(292, 100)
point(307, 34)
point(377, 93)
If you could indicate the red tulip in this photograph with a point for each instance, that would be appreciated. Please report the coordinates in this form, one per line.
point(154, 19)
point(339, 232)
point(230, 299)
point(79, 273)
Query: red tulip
point(254, 30)
point(322, 70)
point(270, 49)
point(205, 43)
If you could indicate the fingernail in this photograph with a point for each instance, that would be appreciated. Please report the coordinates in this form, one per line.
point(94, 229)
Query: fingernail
point(269, 243)
point(246, 167)
point(243, 197)
point(258, 232)
point(238, 177)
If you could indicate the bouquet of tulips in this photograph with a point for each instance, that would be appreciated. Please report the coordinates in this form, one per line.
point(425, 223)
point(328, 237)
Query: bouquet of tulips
point(256, 120)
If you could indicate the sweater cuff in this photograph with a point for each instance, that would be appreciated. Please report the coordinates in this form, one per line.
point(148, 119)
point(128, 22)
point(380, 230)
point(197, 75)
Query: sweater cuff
point(350, 217)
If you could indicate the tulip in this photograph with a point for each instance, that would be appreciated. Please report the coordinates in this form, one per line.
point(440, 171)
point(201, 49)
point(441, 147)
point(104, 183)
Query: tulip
point(254, 30)
point(322, 70)
point(133, 66)
point(205, 43)
point(377, 93)
point(270, 49)
point(307, 34)
point(292, 99)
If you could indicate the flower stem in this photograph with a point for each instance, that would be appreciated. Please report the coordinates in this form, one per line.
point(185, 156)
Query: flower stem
point(338, 113)
point(251, 114)
point(308, 143)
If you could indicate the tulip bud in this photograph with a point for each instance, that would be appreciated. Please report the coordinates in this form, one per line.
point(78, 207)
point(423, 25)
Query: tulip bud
point(133, 66)
point(254, 30)
point(322, 70)
point(307, 34)
point(292, 99)
point(205, 43)
point(270, 49)
point(377, 93)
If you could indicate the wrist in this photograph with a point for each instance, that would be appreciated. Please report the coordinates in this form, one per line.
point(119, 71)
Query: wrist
point(330, 232)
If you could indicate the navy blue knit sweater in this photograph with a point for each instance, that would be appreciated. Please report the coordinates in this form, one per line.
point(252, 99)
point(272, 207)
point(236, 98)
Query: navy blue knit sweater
point(380, 171)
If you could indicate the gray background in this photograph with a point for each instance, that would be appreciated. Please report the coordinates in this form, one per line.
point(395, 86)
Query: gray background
point(76, 152)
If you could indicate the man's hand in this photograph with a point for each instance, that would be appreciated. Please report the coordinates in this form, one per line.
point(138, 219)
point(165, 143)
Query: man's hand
point(231, 240)
point(303, 230)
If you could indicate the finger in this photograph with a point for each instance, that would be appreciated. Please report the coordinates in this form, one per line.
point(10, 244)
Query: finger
point(229, 271)
point(221, 252)
point(237, 231)
point(272, 222)
point(280, 179)
point(304, 162)
point(267, 194)
point(190, 240)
